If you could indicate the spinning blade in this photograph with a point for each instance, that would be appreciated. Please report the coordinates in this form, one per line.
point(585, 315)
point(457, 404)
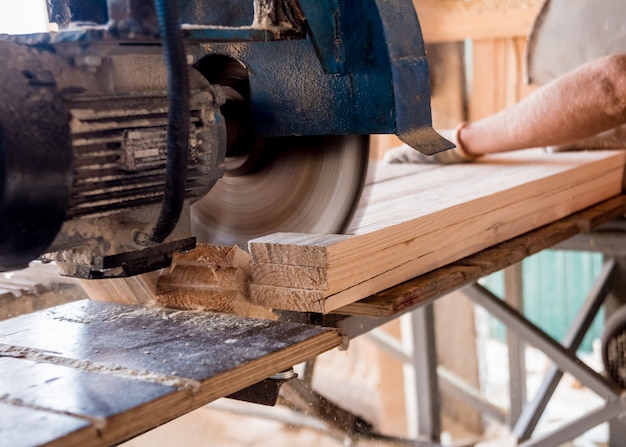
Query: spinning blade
point(298, 184)
point(290, 184)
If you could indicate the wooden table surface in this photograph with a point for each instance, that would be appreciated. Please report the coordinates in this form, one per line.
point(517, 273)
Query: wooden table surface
point(91, 373)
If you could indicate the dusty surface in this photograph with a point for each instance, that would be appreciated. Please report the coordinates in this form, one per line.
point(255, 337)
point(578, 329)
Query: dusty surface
point(350, 377)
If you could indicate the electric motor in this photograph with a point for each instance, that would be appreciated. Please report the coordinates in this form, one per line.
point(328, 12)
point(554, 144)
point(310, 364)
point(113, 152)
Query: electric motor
point(82, 158)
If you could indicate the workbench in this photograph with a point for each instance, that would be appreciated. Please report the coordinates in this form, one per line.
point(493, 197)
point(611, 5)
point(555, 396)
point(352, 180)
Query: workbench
point(94, 373)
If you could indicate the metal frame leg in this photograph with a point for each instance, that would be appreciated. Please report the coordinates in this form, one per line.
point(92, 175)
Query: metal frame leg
point(612, 410)
point(514, 296)
point(425, 366)
point(564, 360)
point(447, 380)
point(532, 412)
point(419, 334)
point(535, 336)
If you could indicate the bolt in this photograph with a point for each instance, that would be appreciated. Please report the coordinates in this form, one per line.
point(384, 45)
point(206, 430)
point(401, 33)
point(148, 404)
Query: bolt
point(285, 375)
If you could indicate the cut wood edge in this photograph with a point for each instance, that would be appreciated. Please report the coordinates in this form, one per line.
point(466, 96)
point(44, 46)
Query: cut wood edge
point(446, 279)
point(137, 290)
point(210, 278)
point(295, 248)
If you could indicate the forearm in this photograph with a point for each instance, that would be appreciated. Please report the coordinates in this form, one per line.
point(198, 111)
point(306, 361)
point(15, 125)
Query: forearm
point(579, 104)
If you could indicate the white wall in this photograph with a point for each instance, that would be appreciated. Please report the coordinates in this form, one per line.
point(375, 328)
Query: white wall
point(22, 16)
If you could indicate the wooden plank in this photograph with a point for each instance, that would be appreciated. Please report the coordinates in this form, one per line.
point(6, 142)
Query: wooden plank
point(434, 193)
point(498, 76)
point(27, 427)
point(209, 277)
point(455, 21)
point(104, 399)
point(137, 290)
point(416, 233)
point(447, 84)
point(128, 369)
point(379, 172)
point(467, 270)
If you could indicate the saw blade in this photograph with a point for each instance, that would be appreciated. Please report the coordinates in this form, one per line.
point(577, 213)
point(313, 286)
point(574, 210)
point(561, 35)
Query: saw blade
point(298, 184)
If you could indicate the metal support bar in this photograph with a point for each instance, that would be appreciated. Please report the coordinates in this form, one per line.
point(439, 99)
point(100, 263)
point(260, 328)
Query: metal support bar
point(456, 386)
point(350, 326)
point(579, 426)
point(448, 381)
point(532, 412)
point(514, 296)
point(617, 432)
point(354, 326)
point(535, 336)
point(424, 363)
point(389, 344)
point(615, 300)
point(307, 374)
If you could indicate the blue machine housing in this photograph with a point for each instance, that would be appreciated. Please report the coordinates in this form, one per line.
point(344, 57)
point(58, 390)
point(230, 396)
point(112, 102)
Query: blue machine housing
point(361, 69)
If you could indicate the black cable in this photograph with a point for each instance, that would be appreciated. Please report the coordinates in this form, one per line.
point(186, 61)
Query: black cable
point(177, 119)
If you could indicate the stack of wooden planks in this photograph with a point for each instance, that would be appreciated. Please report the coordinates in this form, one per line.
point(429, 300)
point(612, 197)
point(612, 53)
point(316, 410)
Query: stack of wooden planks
point(432, 216)
point(209, 277)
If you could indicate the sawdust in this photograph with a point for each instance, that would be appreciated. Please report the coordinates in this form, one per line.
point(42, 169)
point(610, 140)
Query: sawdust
point(40, 356)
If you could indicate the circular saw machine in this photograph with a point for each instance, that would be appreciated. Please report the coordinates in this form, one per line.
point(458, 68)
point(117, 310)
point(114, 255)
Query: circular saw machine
point(142, 126)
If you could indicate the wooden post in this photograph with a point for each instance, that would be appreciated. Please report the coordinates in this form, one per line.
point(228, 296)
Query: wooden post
point(498, 76)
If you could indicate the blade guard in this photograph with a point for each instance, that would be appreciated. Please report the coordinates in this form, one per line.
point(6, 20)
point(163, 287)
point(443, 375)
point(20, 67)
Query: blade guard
point(406, 57)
